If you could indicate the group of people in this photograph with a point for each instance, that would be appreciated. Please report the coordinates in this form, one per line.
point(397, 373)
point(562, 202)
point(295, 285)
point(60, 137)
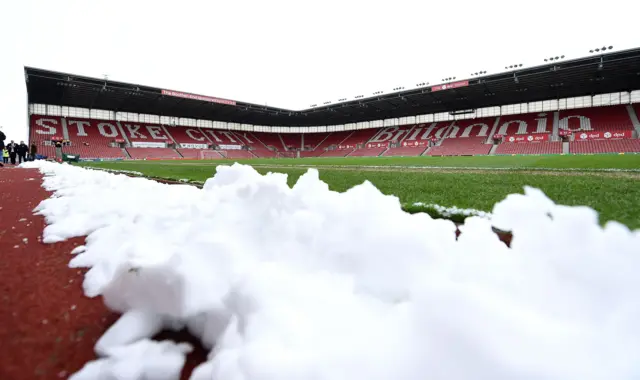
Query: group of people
point(15, 153)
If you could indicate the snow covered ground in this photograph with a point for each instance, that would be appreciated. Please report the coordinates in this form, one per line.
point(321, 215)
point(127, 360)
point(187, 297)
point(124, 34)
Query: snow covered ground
point(304, 283)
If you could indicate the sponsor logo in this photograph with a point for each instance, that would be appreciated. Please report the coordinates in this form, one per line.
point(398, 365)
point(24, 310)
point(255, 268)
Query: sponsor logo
point(449, 86)
point(528, 138)
point(229, 147)
point(148, 144)
point(193, 146)
point(414, 143)
point(605, 135)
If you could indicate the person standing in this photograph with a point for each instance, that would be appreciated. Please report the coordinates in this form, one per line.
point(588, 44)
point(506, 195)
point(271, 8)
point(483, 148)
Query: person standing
point(5, 156)
point(2, 138)
point(22, 150)
point(12, 147)
point(33, 152)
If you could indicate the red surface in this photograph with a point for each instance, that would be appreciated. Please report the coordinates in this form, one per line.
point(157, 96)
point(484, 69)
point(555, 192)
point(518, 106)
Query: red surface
point(47, 326)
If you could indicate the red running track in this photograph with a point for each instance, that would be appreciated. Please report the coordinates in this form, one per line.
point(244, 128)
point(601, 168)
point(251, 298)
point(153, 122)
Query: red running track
point(48, 328)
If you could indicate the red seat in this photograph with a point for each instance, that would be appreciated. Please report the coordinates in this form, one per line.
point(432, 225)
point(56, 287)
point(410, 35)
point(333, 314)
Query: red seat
point(190, 136)
point(599, 119)
point(461, 146)
point(605, 146)
point(42, 129)
point(544, 147)
point(525, 124)
point(337, 152)
point(292, 141)
point(192, 154)
point(405, 151)
point(88, 138)
point(145, 133)
point(95, 138)
point(367, 152)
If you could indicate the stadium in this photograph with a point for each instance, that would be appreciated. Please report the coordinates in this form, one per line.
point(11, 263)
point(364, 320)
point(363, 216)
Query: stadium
point(581, 106)
point(362, 186)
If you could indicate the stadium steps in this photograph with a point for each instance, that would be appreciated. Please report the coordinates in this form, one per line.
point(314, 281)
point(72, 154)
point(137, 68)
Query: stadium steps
point(124, 135)
point(345, 152)
point(425, 152)
point(284, 146)
point(346, 138)
point(321, 142)
point(493, 150)
point(65, 129)
point(164, 128)
point(126, 153)
point(565, 147)
point(634, 119)
point(179, 154)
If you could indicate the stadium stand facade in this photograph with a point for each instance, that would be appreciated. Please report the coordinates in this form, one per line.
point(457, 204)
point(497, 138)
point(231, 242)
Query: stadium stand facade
point(587, 105)
point(608, 129)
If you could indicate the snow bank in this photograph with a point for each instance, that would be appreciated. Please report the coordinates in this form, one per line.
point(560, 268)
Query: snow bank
point(305, 283)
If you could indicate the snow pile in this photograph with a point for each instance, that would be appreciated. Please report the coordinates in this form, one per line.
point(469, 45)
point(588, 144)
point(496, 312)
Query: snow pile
point(448, 212)
point(143, 359)
point(305, 283)
point(117, 171)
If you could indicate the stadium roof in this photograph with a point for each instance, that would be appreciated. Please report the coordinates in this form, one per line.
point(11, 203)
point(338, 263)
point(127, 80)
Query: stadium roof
point(596, 74)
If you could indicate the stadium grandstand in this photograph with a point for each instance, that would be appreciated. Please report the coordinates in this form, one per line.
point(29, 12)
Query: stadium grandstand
point(584, 106)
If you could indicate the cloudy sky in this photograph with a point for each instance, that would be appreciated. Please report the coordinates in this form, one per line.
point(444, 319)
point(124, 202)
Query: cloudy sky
point(290, 53)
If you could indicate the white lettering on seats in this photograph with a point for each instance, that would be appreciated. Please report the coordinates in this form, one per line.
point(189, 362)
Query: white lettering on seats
point(522, 127)
point(246, 137)
point(483, 130)
point(102, 129)
point(414, 134)
point(80, 124)
point(384, 135)
point(585, 123)
point(441, 132)
point(453, 132)
point(213, 135)
point(133, 131)
point(50, 130)
point(154, 131)
point(428, 131)
point(191, 133)
point(438, 133)
point(229, 135)
point(542, 123)
point(388, 134)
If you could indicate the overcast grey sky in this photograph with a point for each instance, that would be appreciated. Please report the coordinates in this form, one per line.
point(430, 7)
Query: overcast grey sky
point(290, 53)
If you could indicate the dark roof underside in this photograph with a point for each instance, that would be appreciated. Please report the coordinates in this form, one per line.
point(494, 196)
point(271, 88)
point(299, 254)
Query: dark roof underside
point(598, 74)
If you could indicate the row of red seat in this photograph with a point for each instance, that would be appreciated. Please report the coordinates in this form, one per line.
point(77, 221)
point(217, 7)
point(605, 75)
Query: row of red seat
point(94, 138)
